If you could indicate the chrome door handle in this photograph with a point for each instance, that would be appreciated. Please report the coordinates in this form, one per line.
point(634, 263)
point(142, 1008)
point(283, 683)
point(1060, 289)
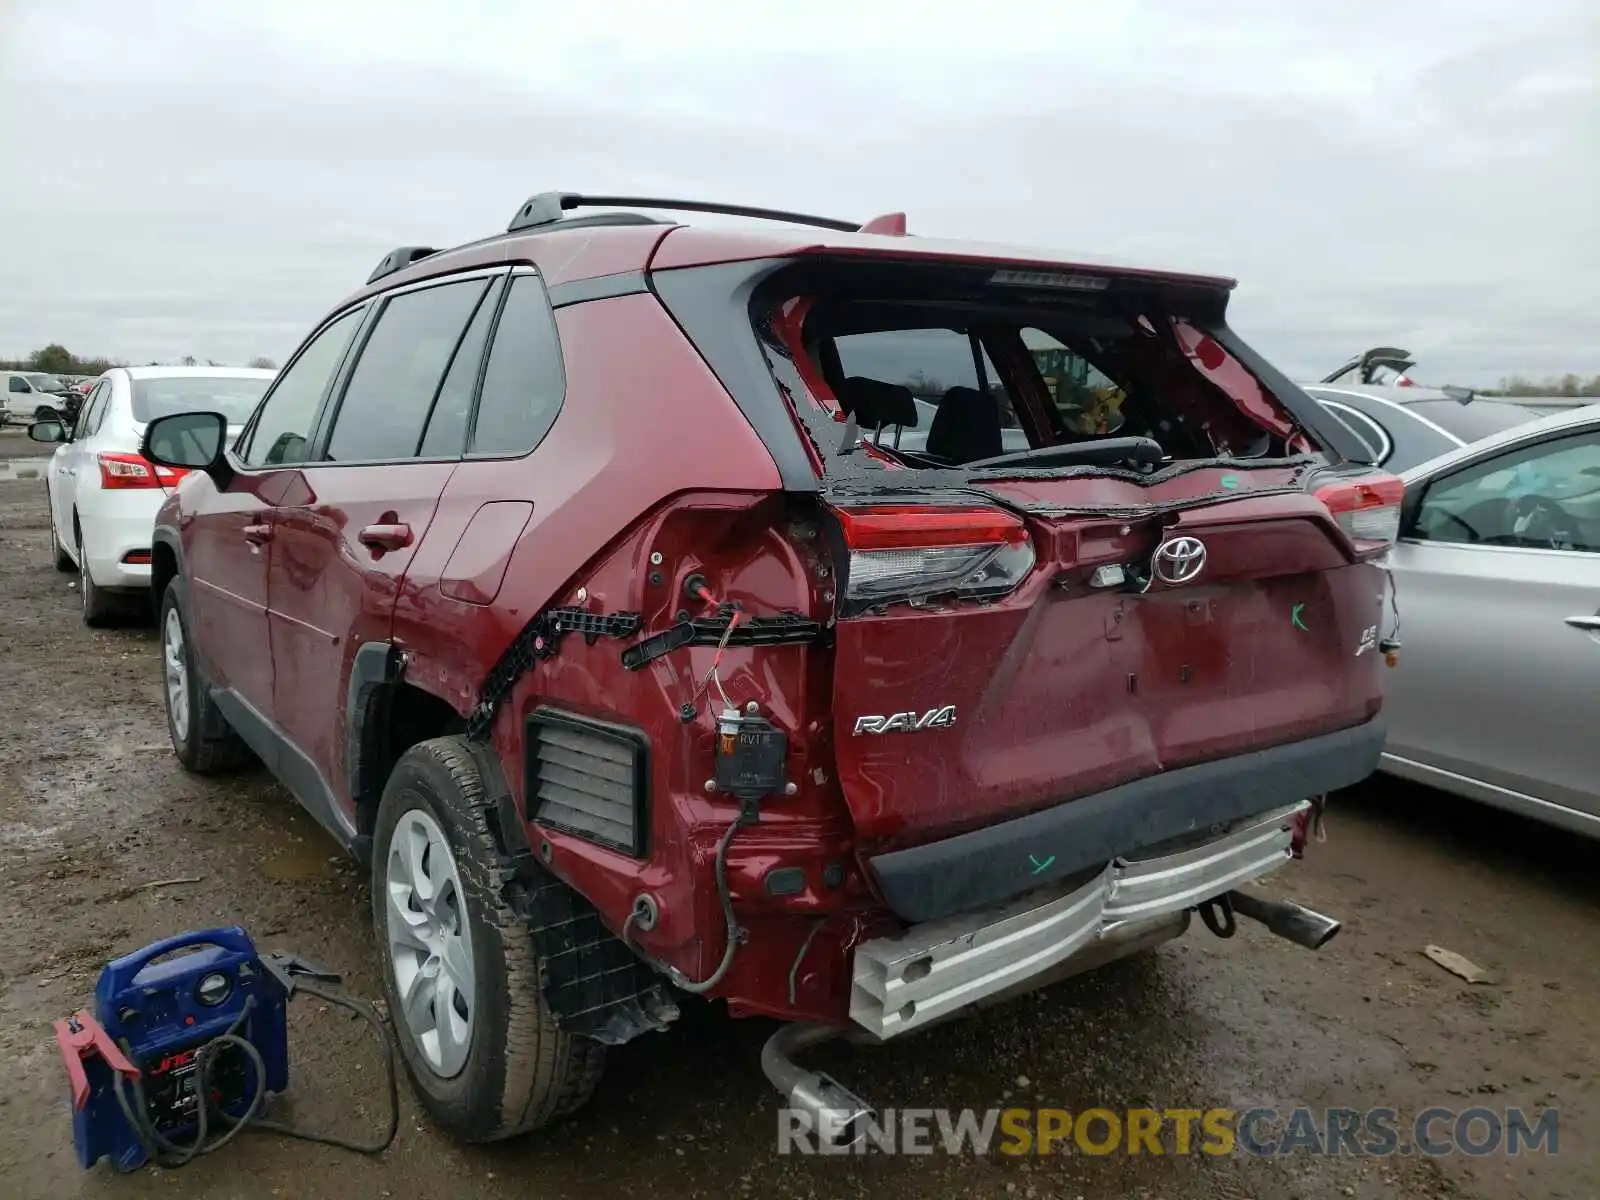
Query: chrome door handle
point(385, 537)
point(1590, 624)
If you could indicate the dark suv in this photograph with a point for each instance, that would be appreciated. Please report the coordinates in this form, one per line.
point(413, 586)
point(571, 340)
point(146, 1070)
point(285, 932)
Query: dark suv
point(588, 582)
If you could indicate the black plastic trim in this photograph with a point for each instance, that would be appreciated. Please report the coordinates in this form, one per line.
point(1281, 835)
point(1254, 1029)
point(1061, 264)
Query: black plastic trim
point(634, 739)
point(375, 665)
point(712, 306)
point(991, 865)
point(547, 209)
point(399, 259)
point(598, 287)
point(785, 629)
point(292, 768)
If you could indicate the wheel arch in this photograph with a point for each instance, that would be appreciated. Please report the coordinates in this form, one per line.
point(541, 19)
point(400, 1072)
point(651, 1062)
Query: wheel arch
point(386, 713)
point(166, 563)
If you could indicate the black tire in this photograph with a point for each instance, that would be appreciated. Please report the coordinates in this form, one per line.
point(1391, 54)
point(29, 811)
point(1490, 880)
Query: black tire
point(58, 552)
point(206, 744)
point(99, 606)
point(521, 1071)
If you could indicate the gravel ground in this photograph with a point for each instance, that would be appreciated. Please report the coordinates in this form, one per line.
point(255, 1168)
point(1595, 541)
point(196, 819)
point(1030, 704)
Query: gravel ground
point(93, 808)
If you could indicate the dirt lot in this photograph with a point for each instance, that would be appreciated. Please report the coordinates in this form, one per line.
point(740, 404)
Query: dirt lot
point(93, 808)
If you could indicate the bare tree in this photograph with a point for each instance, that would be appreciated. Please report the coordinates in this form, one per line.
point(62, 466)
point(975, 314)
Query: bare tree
point(262, 363)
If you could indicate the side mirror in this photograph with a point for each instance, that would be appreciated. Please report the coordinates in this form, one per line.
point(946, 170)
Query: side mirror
point(49, 431)
point(194, 441)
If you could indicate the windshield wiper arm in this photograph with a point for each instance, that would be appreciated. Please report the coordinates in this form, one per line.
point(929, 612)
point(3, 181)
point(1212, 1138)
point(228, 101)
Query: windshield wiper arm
point(1103, 452)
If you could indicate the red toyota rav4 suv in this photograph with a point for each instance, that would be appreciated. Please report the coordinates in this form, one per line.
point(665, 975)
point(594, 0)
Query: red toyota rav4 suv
point(854, 627)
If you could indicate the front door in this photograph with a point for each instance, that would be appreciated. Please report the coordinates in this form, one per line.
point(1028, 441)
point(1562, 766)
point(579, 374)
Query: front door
point(228, 545)
point(344, 536)
point(68, 461)
point(1498, 582)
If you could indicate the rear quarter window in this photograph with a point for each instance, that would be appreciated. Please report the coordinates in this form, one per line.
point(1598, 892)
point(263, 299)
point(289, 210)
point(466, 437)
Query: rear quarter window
point(523, 381)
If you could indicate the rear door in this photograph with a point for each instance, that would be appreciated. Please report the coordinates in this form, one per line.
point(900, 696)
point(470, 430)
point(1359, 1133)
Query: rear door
point(1498, 579)
point(228, 540)
point(67, 462)
point(346, 528)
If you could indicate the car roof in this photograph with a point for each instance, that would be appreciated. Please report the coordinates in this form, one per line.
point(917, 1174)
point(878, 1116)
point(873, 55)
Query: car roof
point(196, 372)
point(617, 243)
point(1575, 418)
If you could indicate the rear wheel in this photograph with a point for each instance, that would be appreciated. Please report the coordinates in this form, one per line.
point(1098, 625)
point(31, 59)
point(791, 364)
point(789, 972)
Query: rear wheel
point(99, 606)
point(462, 980)
point(201, 737)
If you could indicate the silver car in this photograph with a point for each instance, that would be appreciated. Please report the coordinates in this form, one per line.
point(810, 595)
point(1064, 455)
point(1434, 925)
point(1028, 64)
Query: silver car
point(1497, 582)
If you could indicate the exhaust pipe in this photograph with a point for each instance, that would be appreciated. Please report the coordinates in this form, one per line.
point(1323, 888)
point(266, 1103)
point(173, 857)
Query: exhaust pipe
point(838, 1116)
point(1287, 919)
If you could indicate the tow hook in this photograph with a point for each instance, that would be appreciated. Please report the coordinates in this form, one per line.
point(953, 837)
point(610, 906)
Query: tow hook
point(1300, 925)
point(838, 1117)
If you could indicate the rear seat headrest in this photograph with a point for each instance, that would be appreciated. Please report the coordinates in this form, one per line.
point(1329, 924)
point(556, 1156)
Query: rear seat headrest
point(877, 405)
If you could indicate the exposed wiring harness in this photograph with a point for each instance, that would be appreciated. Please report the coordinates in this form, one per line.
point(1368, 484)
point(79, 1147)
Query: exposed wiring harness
point(712, 679)
point(748, 815)
point(165, 1152)
point(736, 934)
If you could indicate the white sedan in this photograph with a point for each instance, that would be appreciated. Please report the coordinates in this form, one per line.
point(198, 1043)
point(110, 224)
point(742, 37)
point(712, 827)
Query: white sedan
point(103, 495)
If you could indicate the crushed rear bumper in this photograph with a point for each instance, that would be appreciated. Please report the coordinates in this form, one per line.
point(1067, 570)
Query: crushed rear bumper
point(988, 866)
point(939, 968)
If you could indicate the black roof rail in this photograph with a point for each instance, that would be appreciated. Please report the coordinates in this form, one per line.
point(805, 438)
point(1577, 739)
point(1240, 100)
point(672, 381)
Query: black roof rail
point(547, 208)
point(398, 259)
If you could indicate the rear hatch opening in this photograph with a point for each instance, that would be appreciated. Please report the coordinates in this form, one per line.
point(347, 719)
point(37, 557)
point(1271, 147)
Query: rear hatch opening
point(1083, 533)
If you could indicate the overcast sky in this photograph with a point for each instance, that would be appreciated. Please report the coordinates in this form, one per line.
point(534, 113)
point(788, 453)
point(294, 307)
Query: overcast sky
point(199, 178)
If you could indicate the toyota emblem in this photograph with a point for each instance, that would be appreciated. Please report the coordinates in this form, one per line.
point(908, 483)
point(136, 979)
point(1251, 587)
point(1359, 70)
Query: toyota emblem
point(1179, 560)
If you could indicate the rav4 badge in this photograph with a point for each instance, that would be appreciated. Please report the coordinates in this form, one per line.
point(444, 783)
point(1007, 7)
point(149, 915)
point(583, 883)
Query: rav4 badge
point(908, 722)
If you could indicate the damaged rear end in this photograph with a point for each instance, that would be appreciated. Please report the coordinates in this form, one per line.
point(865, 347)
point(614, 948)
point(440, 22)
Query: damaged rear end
point(1103, 604)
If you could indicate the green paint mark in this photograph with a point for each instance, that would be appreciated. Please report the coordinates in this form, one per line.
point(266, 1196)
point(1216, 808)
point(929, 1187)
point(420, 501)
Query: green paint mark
point(1041, 866)
point(1229, 482)
point(1295, 617)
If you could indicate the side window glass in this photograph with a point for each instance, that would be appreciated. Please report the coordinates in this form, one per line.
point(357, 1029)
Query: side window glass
point(452, 409)
point(107, 393)
point(90, 407)
point(283, 423)
point(1365, 430)
point(523, 383)
point(16, 383)
point(1545, 497)
point(386, 402)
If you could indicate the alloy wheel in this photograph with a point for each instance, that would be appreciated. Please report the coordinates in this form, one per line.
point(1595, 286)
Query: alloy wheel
point(176, 669)
point(430, 944)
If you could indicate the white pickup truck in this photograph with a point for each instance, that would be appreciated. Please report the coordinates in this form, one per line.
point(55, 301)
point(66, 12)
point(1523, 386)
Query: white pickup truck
point(27, 393)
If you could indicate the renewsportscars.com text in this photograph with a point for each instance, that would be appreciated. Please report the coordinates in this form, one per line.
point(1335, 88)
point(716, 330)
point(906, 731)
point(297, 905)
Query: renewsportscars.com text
point(1360, 1133)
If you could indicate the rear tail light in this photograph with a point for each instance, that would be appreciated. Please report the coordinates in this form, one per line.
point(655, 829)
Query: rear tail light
point(904, 552)
point(120, 472)
point(1367, 509)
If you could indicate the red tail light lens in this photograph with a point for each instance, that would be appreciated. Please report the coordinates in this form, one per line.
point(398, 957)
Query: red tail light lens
point(121, 472)
point(907, 552)
point(1367, 509)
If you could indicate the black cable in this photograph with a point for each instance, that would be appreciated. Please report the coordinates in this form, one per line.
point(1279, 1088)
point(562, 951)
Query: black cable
point(367, 1014)
point(730, 922)
point(167, 1153)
